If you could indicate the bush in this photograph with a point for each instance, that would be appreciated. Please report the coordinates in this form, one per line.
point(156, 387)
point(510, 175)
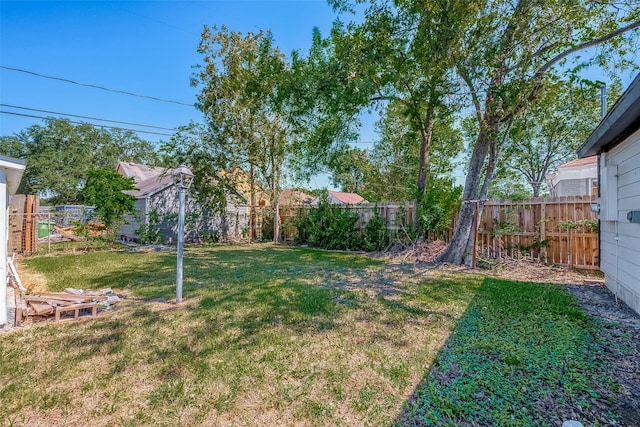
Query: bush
point(376, 236)
point(149, 233)
point(334, 227)
point(438, 207)
point(267, 226)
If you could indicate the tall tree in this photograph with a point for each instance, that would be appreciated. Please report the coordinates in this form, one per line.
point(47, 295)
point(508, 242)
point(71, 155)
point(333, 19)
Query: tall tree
point(105, 190)
point(551, 130)
point(398, 54)
point(397, 154)
point(508, 49)
point(241, 97)
point(351, 170)
point(60, 154)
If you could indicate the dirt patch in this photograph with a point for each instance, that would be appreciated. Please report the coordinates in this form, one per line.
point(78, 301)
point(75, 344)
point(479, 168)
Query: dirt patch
point(527, 269)
point(33, 282)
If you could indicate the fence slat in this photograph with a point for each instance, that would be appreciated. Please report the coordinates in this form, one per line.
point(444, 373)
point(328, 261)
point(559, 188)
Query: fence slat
point(561, 226)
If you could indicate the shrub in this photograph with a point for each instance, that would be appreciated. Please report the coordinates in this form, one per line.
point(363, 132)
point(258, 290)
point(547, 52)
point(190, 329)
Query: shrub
point(329, 227)
point(149, 233)
point(375, 235)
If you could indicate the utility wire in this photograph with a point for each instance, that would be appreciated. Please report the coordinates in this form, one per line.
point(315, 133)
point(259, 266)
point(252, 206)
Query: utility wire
point(85, 123)
point(86, 117)
point(95, 86)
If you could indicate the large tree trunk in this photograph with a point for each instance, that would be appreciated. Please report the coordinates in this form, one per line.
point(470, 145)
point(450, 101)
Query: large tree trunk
point(275, 191)
point(423, 167)
point(425, 143)
point(276, 222)
point(252, 208)
point(535, 186)
point(455, 251)
point(489, 176)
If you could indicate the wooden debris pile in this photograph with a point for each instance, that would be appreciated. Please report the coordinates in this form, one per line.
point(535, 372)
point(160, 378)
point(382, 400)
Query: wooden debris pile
point(62, 233)
point(68, 305)
point(415, 252)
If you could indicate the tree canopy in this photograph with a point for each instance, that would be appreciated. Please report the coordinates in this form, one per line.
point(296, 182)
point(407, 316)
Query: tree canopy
point(105, 190)
point(60, 155)
point(243, 95)
point(441, 56)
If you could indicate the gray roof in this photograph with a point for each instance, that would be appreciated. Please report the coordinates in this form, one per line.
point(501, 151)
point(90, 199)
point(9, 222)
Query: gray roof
point(148, 181)
point(141, 172)
point(621, 121)
point(151, 186)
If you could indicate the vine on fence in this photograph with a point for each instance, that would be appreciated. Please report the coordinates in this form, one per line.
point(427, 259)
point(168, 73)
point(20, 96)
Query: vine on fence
point(583, 225)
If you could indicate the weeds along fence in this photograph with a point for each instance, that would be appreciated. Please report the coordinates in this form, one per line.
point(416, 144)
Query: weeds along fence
point(394, 214)
point(555, 230)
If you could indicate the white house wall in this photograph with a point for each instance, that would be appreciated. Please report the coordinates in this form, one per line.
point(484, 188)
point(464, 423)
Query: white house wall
point(11, 171)
point(620, 240)
point(4, 205)
point(573, 181)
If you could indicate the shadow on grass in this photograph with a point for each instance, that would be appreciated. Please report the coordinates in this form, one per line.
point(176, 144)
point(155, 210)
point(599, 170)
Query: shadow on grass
point(239, 293)
point(523, 354)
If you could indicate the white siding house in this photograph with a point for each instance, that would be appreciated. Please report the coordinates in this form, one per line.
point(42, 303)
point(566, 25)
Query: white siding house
point(578, 177)
point(11, 171)
point(616, 141)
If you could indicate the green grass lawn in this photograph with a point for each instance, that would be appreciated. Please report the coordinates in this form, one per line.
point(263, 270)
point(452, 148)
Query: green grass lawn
point(287, 336)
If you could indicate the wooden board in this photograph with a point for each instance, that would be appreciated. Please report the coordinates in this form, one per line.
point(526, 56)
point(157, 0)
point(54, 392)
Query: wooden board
point(70, 297)
point(40, 308)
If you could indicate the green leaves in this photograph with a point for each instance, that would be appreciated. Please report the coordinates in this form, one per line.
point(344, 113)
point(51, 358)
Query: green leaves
point(245, 97)
point(60, 154)
point(104, 190)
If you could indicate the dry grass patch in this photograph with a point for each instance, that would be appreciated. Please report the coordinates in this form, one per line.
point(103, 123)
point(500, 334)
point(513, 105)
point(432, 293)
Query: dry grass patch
point(266, 336)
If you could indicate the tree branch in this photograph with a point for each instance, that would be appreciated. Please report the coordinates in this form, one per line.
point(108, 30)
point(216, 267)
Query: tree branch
point(583, 46)
point(472, 89)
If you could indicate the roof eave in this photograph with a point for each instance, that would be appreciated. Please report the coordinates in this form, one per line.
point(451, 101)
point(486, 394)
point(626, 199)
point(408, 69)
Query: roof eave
point(622, 120)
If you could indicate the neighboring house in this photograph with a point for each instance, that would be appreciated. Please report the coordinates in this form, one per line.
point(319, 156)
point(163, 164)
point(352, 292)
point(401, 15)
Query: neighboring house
point(156, 193)
point(11, 171)
point(616, 141)
point(576, 178)
point(294, 198)
point(340, 198)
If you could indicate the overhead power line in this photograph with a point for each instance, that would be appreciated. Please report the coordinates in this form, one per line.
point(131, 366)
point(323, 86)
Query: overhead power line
point(86, 117)
point(85, 123)
point(95, 86)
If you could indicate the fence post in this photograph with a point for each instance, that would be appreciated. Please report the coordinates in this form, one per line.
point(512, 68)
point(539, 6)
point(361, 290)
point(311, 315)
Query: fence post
point(49, 232)
point(543, 229)
point(475, 235)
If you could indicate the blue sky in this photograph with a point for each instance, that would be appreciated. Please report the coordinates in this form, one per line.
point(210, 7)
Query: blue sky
point(143, 47)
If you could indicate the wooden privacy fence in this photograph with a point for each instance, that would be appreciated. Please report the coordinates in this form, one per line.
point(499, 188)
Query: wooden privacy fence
point(394, 214)
point(555, 230)
point(23, 223)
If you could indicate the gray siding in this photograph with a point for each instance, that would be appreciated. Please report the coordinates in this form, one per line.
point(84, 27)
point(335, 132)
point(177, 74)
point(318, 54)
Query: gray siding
point(573, 187)
point(620, 239)
point(127, 231)
point(199, 223)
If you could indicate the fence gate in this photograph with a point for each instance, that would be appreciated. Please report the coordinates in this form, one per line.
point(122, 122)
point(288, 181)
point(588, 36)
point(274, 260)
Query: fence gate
point(555, 230)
